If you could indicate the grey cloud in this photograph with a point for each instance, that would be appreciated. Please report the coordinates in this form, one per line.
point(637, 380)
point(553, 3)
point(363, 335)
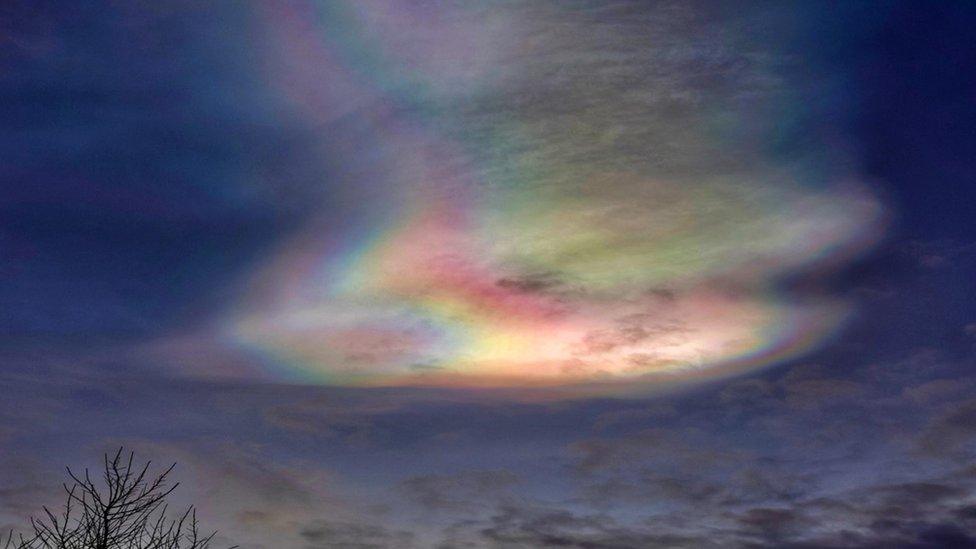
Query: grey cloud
point(607, 454)
point(633, 329)
point(648, 414)
point(919, 515)
point(939, 390)
point(953, 432)
point(937, 254)
point(325, 423)
point(747, 390)
point(532, 283)
point(821, 392)
point(465, 491)
point(324, 534)
point(521, 527)
point(916, 514)
point(772, 524)
point(920, 365)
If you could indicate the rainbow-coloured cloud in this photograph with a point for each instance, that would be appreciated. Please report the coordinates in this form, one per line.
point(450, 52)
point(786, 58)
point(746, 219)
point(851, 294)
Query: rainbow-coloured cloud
point(537, 196)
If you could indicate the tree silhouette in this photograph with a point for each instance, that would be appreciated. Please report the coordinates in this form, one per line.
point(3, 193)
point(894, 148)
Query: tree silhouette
point(127, 510)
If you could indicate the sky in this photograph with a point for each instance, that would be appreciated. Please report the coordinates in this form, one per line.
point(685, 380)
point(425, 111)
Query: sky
point(497, 273)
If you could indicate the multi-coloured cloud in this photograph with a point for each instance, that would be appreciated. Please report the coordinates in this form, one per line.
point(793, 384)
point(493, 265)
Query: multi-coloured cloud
point(530, 196)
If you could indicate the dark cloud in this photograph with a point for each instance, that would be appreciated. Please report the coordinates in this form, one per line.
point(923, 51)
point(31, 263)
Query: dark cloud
point(520, 527)
point(747, 392)
point(772, 525)
point(952, 432)
point(461, 492)
point(938, 254)
point(530, 283)
point(324, 534)
point(648, 414)
point(637, 328)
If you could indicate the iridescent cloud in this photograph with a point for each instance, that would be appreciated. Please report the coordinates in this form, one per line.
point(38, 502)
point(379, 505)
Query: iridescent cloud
point(539, 196)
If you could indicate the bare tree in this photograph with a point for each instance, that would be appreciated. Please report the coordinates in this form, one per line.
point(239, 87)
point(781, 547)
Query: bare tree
point(127, 511)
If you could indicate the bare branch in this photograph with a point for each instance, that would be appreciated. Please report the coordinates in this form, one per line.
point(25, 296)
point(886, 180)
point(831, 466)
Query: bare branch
point(127, 512)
